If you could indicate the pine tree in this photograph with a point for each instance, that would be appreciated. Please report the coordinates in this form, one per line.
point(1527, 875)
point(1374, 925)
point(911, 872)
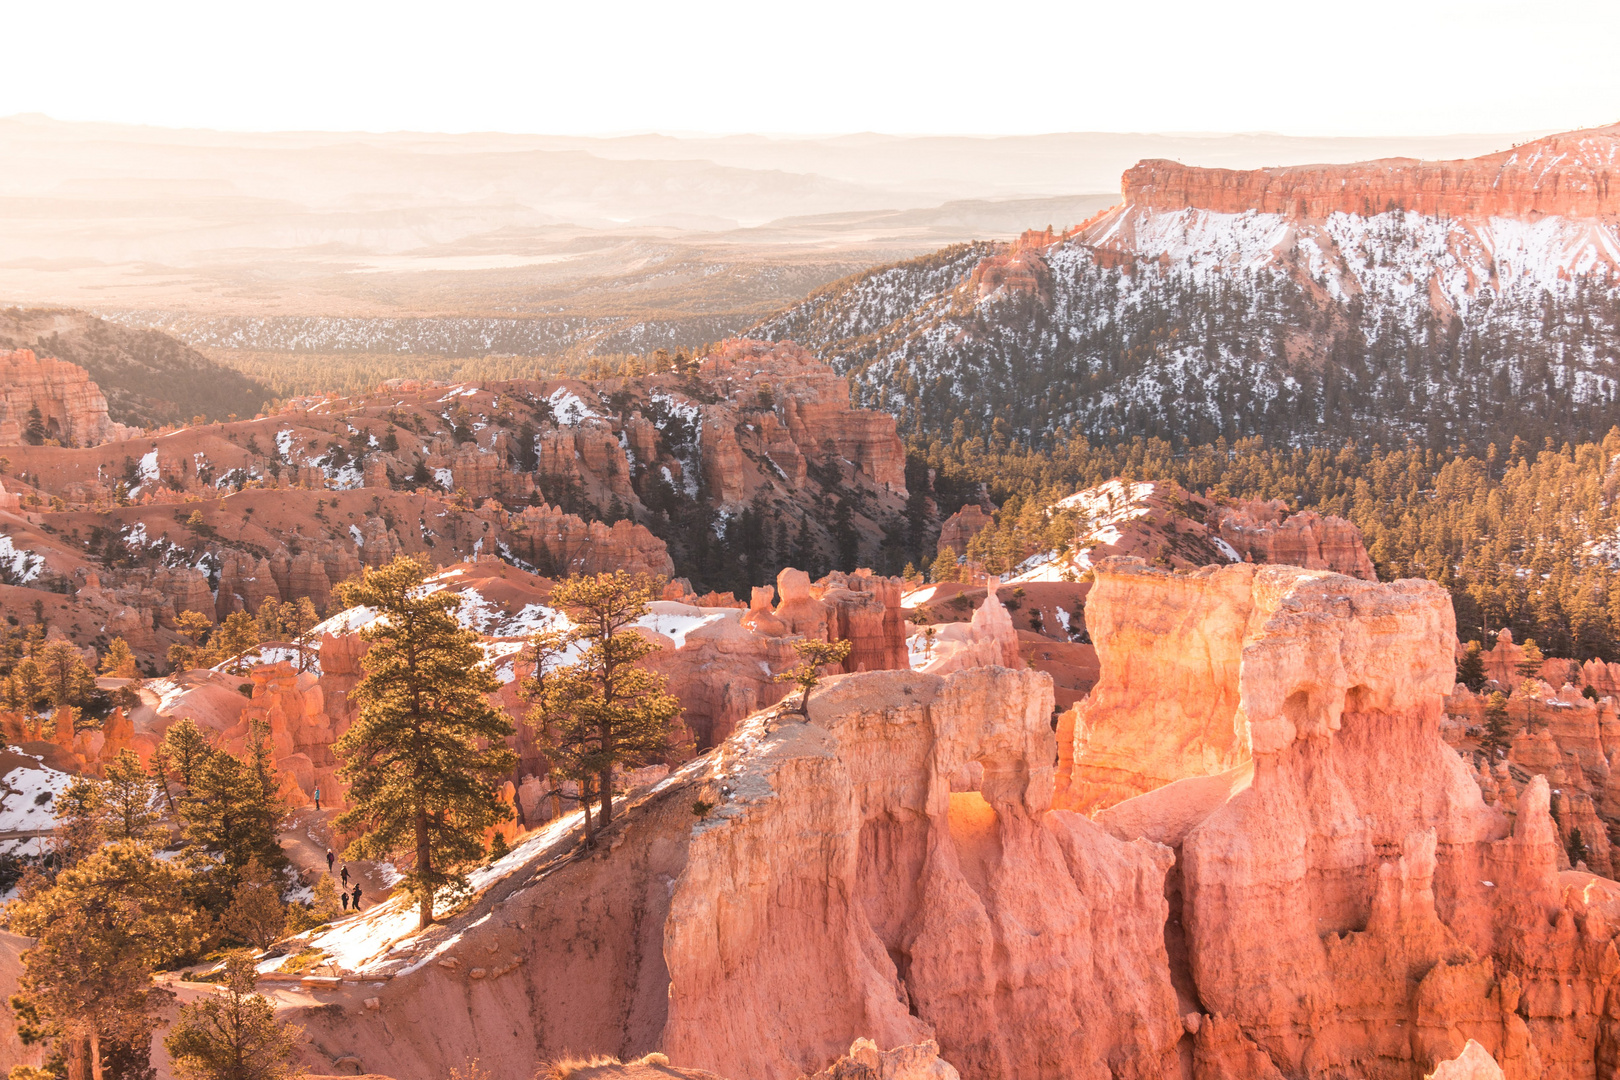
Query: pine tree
point(257, 914)
point(426, 755)
point(234, 1035)
point(270, 620)
point(232, 815)
point(607, 708)
point(324, 901)
point(34, 430)
point(1497, 734)
point(26, 690)
point(68, 679)
point(945, 566)
point(237, 640)
point(324, 906)
point(185, 748)
point(100, 930)
point(846, 536)
point(1530, 663)
point(128, 794)
point(1471, 667)
point(814, 655)
point(81, 816)
point(1575, 847)
point(196, 628)
point(119, 661)
point(297, 620)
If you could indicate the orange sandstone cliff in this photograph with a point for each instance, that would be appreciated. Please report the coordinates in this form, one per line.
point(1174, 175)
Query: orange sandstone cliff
point(1572, 174)
point(72, 409)
point(1325, 891)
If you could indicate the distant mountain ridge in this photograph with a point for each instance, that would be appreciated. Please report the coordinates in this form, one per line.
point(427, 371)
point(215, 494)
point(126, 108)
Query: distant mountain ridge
point(1569, 175)
point(1469, 301)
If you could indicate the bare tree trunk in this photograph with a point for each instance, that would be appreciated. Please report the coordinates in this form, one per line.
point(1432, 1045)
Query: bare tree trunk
point(95, 1054)
point(75, 1055)
point(585, 804)
point(168, 796)
point(606, 780)
point(424, 866)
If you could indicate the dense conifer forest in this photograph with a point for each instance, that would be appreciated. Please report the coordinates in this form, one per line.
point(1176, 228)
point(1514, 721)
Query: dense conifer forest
point(1527, 537)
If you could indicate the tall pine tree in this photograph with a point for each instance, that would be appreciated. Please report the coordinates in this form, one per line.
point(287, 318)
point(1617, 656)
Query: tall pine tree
point(607, 709)
point(99, 931)
point(232, 814)
point(426, 756)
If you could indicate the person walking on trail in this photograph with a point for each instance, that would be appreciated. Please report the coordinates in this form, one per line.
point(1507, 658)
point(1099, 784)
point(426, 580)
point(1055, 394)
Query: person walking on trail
point(357, 896)
point(330, 859)
point(344, 896)
point(345, 875)
point(317, 800)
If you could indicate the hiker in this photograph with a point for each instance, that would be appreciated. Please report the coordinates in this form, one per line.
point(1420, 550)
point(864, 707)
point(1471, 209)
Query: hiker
point(330, 859)
point(357, 896)
point(345, 875)
point(345, 898)
point(317, 800)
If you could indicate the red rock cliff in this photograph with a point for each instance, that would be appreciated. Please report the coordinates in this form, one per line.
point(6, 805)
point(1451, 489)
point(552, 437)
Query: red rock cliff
point(1575, 174)
point(71, 407)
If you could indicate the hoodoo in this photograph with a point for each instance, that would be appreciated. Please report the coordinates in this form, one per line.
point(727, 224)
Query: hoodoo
point(43, 398)
point(1301, 876)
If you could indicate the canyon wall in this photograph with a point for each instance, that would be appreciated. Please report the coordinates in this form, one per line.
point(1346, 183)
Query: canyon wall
point(1264, 532)
point(1572, 174)
point(1167, 704)
point(72, 409)
point(1305, 880)
point(1348, 901)
point(808, 884)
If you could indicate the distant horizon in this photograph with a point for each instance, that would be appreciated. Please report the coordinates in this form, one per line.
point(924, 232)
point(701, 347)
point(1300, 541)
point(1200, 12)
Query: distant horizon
point(803, 136)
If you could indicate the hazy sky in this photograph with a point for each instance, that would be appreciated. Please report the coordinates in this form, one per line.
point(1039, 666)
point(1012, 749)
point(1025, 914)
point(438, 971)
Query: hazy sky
point(1013, 66)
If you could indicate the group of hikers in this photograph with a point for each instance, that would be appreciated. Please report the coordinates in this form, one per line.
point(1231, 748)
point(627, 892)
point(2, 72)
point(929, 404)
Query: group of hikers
point(347, 896)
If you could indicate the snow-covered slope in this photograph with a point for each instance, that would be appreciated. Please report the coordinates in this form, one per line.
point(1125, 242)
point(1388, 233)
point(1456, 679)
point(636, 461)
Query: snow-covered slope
point(1446, 302)
point(1197, 325)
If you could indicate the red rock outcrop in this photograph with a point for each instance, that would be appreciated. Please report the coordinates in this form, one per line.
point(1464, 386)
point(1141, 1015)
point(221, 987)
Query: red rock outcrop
point(1358, 876)
point(986, 640)
point(72, 409)
point(1569, 739)
point(1572, 174)
point(1474, 1063)
point(864, 609)
point(1020, 268)
point(918, 1061)
point(898, 953)
point(1167, 705)
point(292, 706)
point(831, 853)
point(1267, 533)
point(1162, 522)
point(566, 544)
point(726, 666)
point(962, 526)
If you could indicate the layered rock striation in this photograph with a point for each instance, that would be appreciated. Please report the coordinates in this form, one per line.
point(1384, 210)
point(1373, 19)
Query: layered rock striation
point(1345, 900)
point(52, 399)
point(1572, 174)
point(1289, 872)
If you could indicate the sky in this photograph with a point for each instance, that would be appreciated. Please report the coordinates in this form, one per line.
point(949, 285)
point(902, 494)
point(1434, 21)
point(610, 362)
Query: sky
point(1379, 67)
